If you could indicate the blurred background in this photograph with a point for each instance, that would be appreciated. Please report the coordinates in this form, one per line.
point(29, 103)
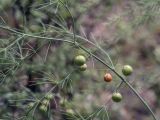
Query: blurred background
point(31, 65)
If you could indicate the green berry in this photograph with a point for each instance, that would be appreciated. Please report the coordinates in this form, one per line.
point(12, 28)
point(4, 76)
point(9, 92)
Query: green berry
point(49, 96)
point(127, 70)
point(31, 104)
point(45, 102)
point(43, 108)
point(83, 67)
point(35, 28)
point(70, 111)
point(79, 60)
point(116, 97)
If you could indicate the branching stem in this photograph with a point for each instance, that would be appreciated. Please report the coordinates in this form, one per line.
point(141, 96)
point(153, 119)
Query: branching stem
point(94, 56)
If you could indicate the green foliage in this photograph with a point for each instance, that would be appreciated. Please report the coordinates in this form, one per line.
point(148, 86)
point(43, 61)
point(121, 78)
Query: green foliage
point(38, 44)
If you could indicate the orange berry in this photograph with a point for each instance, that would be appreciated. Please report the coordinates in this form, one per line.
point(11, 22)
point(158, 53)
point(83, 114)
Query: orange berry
point(108, 77)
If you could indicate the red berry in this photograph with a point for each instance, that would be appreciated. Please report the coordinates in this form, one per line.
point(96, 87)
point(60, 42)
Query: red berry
point(108, 77)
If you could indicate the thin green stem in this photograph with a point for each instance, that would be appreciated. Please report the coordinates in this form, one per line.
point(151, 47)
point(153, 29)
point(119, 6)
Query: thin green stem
point(34, 36)
point(73, 22)
point(118, 86)
point(14, 42)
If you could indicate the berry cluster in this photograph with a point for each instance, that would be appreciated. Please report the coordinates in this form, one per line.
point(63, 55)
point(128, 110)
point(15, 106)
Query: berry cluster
point(80, 61)
point(126, 70)
point(45, 102)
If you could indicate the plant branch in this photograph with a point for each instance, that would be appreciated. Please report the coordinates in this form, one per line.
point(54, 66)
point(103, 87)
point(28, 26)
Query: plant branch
point(125, 81)
point(94, 56)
